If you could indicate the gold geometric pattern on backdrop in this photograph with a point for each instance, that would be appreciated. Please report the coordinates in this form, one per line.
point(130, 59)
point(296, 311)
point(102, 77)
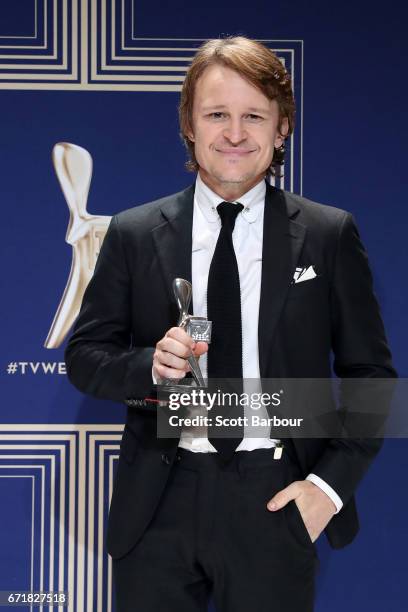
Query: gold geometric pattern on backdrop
point(82, 45)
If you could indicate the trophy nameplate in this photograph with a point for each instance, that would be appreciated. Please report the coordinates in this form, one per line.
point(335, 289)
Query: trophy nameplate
point(199, 329)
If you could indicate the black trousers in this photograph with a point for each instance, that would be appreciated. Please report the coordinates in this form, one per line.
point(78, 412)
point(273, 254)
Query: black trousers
point(212, 536)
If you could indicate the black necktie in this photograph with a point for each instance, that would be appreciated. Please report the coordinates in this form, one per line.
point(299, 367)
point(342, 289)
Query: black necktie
point(224, 310)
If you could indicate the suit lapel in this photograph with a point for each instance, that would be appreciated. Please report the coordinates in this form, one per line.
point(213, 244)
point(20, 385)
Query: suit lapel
point(173, 239)
point(282, 243)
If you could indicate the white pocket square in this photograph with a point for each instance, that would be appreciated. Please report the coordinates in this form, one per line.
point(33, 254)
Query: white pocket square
point(304, 274)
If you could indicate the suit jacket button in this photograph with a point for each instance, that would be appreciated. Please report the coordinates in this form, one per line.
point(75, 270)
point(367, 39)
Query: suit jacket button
point(166, 459)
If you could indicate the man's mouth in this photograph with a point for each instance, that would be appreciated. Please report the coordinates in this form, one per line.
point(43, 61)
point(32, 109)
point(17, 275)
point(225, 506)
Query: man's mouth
point(235, 152)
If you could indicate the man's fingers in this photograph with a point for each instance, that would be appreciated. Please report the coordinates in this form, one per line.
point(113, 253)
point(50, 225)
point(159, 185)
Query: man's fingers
point(172, 351)
point(284, 496)
point(200, 348)
point(175, 347)
point(165, 372)
point(180, 334)
point(168, 359)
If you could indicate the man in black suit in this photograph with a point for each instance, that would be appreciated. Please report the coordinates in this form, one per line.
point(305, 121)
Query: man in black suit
point(193, 515)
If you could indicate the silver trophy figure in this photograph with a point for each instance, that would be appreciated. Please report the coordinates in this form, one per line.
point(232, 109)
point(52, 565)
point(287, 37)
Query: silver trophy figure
point(198, 328)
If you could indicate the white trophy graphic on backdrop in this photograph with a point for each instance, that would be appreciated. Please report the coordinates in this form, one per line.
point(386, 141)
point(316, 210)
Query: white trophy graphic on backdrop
point(85, 233)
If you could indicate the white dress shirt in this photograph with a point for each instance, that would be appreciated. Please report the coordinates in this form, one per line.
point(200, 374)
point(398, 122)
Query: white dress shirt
point(247, 239)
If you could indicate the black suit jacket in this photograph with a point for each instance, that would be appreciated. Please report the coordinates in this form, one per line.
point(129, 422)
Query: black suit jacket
point(128, 306)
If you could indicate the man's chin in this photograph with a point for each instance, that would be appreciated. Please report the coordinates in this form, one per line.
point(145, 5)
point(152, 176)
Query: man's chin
point(230, 180)
point(226, 179)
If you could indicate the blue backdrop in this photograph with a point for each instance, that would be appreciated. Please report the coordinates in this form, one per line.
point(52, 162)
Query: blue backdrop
point(82, 71)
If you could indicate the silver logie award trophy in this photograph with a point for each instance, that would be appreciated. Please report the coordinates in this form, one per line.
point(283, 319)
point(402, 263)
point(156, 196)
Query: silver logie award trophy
point(198, 328)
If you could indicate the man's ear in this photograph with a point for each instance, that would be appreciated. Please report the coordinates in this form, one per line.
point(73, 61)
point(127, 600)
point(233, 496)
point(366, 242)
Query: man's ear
point(188, 132)
point(282, 133)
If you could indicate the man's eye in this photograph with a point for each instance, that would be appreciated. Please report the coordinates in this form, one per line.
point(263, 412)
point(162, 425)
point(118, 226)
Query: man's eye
point(253, 117)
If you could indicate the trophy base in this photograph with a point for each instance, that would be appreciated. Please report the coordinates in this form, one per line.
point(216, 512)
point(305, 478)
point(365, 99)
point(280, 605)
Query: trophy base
point(175, 387)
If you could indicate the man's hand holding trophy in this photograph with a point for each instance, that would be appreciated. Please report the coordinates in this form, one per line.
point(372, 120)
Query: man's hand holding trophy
point(178, 351)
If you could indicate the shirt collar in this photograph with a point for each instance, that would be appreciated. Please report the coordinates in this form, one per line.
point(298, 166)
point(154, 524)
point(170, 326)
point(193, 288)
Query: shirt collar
point(252, 201)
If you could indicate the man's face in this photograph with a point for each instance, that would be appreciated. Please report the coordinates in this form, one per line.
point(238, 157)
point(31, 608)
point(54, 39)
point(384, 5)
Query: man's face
point(235, 130)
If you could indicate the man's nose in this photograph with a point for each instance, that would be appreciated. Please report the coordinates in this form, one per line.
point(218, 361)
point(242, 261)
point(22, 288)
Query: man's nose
point(235, 131)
